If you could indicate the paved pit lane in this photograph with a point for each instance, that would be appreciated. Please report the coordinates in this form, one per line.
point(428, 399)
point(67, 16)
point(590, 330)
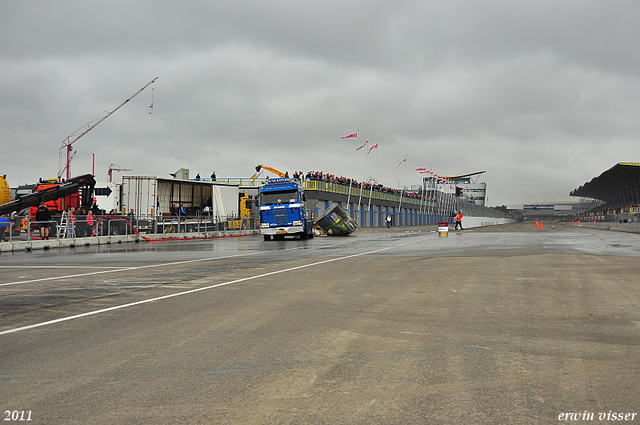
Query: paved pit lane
point(507, 324)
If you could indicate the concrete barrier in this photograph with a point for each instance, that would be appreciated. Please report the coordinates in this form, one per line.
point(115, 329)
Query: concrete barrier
point(18, 246)
point(612, 225)
point(469, 222)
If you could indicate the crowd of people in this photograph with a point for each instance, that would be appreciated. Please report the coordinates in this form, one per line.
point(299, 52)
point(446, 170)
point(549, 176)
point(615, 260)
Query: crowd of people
point(332, 178)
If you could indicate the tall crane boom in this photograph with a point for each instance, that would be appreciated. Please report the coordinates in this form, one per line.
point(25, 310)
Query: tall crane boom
point(70, 140)
point(114, 167)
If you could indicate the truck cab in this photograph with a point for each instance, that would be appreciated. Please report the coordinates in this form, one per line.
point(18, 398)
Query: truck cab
point(282, 210)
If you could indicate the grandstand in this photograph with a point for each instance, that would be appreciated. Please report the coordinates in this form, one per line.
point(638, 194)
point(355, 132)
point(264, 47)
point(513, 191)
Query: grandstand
point(618, 190)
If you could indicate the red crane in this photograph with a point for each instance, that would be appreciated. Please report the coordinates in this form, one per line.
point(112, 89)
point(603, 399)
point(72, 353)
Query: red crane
point(70, 140)
point(114, 167)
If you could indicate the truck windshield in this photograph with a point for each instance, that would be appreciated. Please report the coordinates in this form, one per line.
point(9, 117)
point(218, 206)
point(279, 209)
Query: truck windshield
point(271, 198)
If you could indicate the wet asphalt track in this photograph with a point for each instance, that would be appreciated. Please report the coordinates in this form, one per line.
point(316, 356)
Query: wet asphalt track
point(508, 324)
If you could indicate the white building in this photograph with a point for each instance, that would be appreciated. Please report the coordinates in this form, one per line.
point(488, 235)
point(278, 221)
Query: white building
point(465, 186)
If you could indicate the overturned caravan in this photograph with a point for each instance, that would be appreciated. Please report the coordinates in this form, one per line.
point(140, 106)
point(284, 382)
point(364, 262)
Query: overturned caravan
point(335, 222)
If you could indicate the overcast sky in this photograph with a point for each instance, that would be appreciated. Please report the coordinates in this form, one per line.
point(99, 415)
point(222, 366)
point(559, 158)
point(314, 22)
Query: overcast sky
point(542, 95)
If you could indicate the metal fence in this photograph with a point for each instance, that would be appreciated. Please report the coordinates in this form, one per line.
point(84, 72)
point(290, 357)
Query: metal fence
point(425, 207)
point(62, 227)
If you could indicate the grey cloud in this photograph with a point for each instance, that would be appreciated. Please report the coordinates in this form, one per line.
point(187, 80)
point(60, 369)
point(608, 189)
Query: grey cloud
point(532, 92)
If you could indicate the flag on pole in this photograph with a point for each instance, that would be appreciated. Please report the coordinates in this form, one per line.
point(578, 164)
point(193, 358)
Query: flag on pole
point(372, 148)
point(151, 109)
point(401, 162)
point(350, 136)
point(422, 169)
point(365, 144)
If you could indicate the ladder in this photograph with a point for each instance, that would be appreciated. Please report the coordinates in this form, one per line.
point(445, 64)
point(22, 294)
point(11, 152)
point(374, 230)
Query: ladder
point(62, 227)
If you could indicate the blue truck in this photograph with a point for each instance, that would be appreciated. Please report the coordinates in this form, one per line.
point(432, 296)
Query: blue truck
point(282, 210)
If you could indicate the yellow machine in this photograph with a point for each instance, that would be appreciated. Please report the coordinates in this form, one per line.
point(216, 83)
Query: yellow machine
point(5, 191)
point(245, 213)
point(245, 202)
point(5, 198)
point(273, 170)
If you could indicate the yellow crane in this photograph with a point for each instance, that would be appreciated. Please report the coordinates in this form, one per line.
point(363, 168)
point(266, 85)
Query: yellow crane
point(266, 167)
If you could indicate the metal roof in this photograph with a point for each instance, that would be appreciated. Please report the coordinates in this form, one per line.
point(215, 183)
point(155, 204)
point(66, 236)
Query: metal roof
point(465, 175)
point(623, 173)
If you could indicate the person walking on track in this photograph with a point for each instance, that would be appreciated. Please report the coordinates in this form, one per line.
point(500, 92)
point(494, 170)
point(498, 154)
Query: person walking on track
point(459, 220)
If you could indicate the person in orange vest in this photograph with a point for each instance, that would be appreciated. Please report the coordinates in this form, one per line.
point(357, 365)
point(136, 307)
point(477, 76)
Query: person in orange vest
point(459, 220)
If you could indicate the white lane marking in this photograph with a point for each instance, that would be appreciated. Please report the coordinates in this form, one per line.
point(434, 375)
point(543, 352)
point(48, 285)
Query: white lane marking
point(113, 269)
point(29, 266)
point(123, 269)
point(191, 291)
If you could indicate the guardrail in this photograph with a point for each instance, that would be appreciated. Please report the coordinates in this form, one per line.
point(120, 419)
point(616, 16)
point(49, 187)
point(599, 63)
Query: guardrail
point(436, 204)
point(114, 225)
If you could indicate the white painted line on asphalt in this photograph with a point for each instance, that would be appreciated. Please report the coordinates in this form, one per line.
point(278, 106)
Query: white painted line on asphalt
point(123, 269)
point(244, 279)
point(59, 267)
point(113, 269)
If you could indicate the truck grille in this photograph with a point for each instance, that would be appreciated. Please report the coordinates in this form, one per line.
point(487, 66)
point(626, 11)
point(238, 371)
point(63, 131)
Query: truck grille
point(280, 217)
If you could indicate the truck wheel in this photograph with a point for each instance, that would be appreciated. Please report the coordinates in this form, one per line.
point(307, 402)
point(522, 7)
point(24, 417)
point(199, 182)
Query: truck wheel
point(267, 237)
point(117, 229)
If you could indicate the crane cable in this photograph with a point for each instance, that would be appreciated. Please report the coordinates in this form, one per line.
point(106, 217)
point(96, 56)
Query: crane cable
point(152, 97)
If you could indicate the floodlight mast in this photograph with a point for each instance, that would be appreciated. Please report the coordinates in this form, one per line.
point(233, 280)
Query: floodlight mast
point(70, 140)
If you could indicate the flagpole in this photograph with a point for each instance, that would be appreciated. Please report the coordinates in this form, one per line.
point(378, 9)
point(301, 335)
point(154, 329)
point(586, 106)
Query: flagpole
point(371, 190)
point(436, 195)
point(427, 203)
point(435, 208)
point(362, 182)
point(352, 136)
point(449, 199)
point(446, 200)
point(436, 205)
point(430, 195)
point(353, 167)
point(422, 199)
point(455, 197)
point(402, 188)
point(424, 192)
